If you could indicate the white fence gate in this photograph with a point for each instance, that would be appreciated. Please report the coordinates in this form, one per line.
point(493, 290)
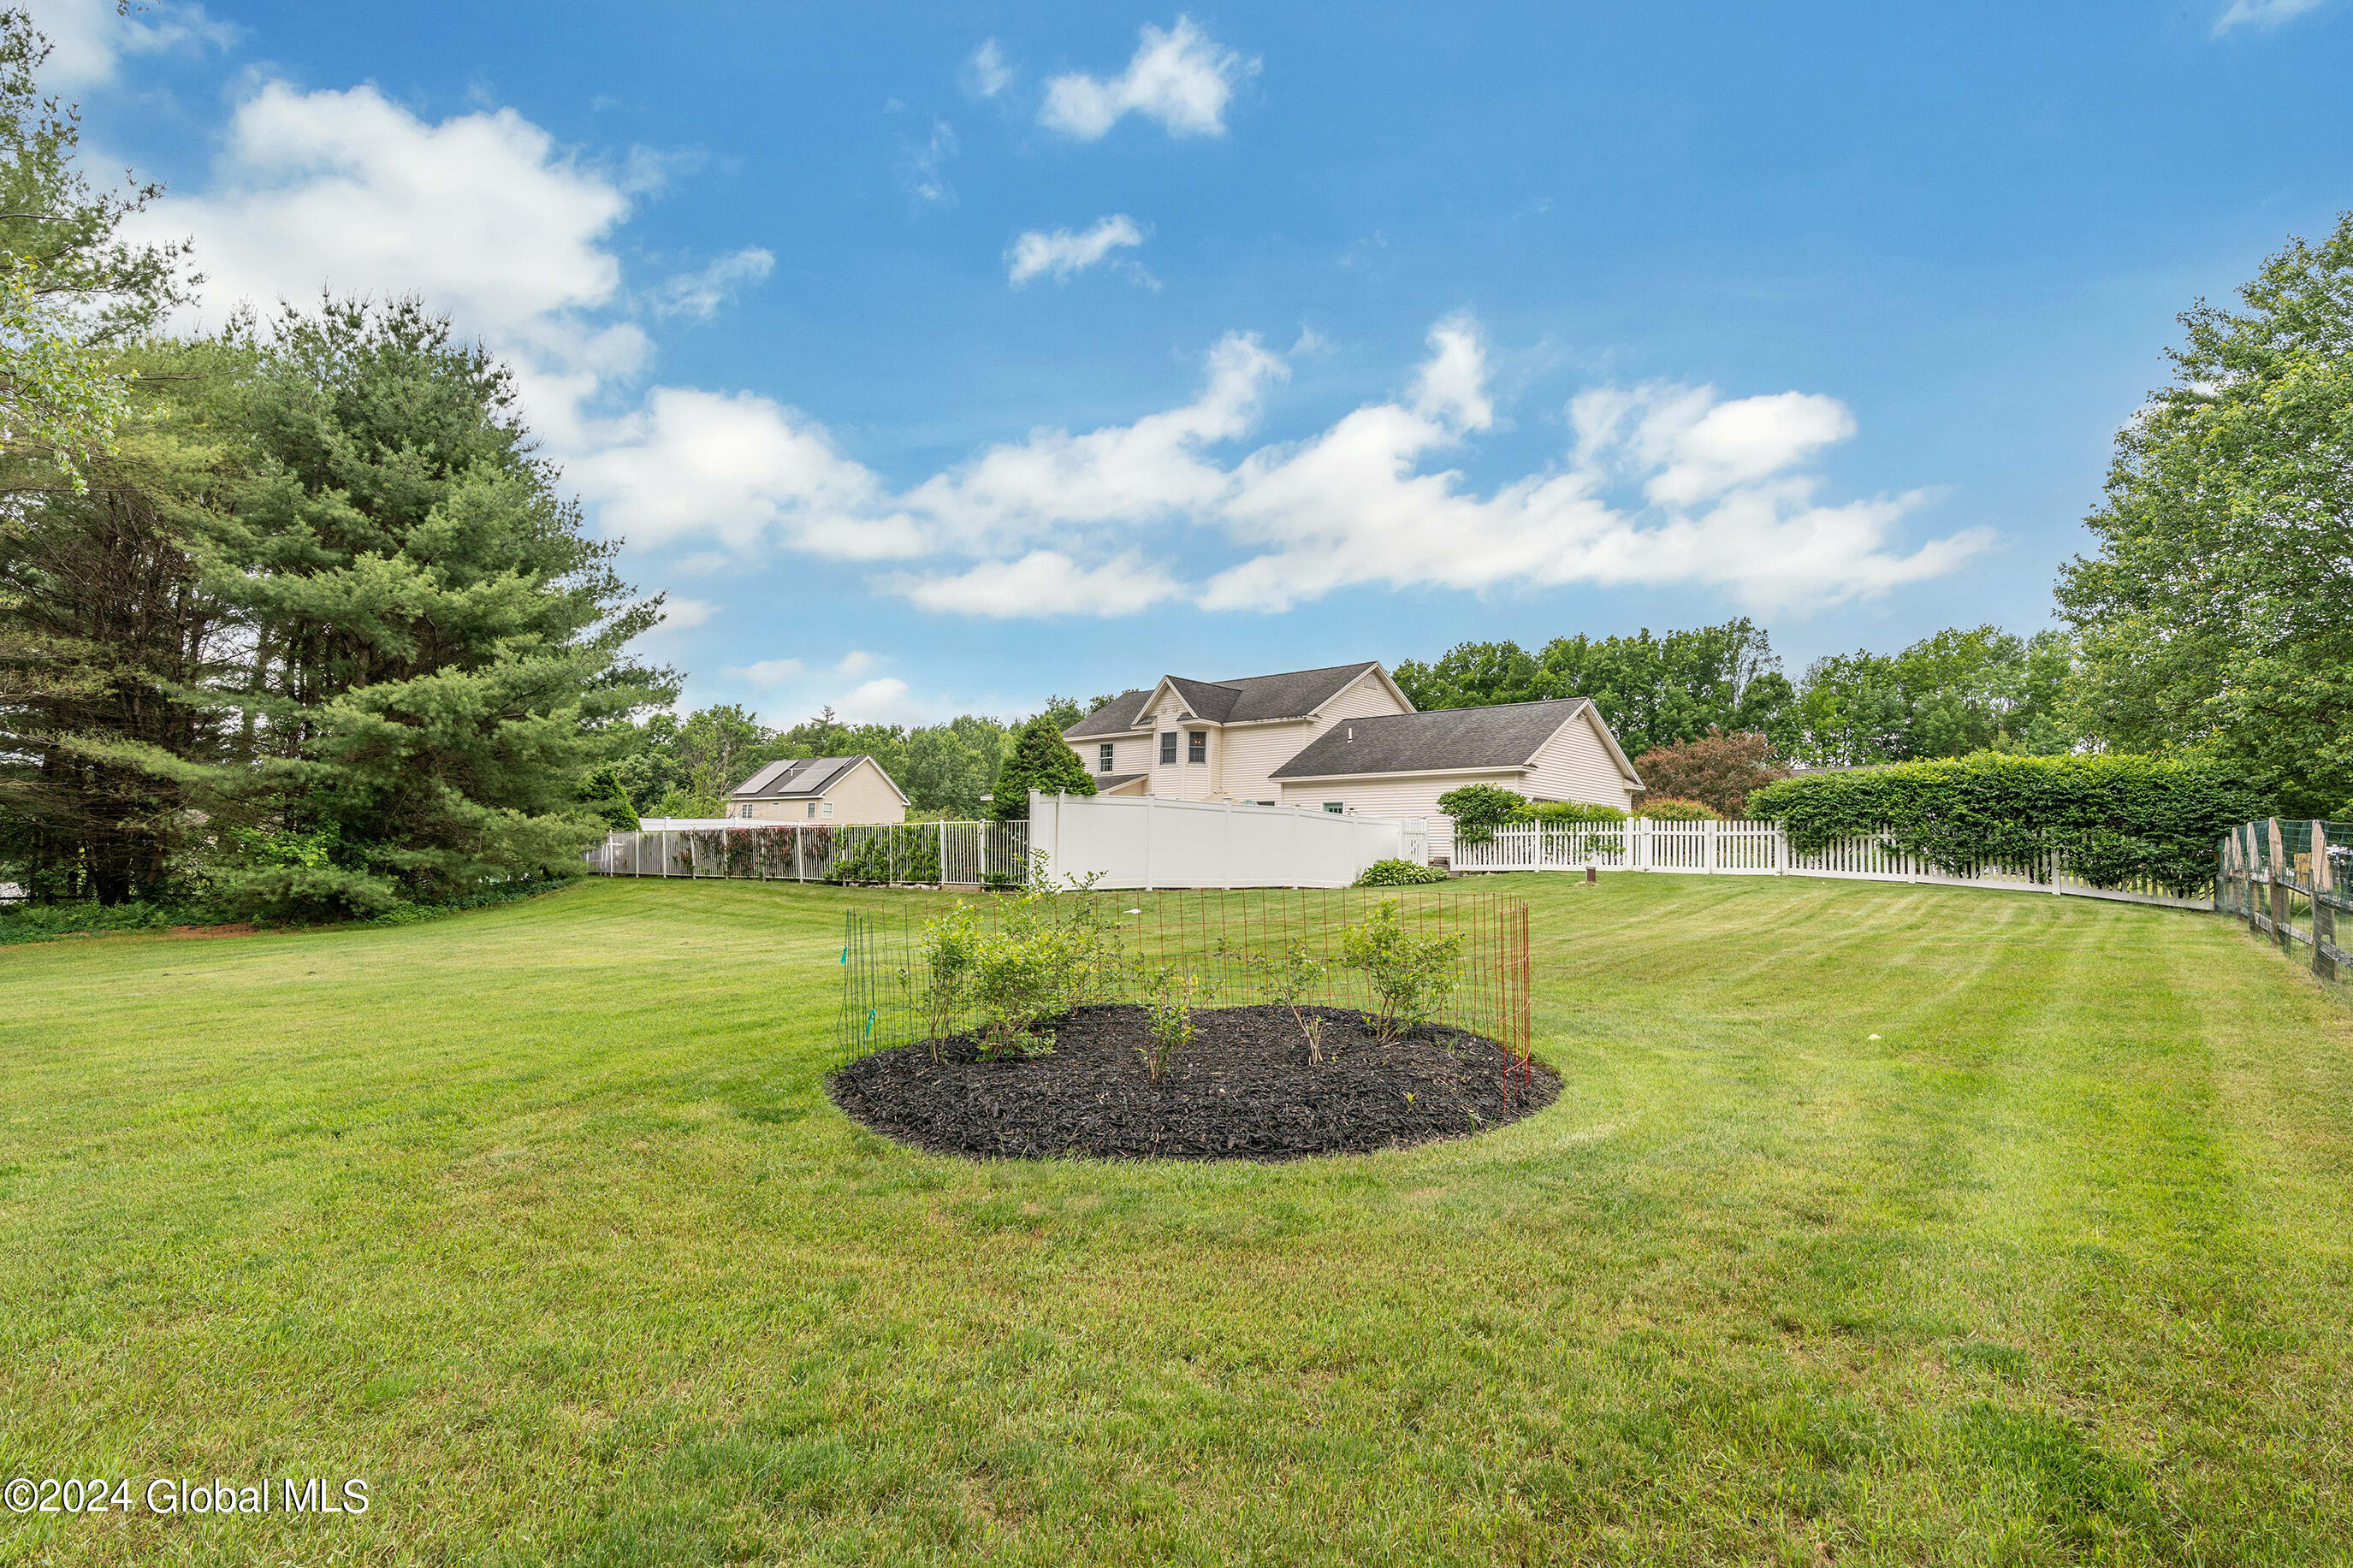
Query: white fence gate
point(1147, 841)
point(1762, 850)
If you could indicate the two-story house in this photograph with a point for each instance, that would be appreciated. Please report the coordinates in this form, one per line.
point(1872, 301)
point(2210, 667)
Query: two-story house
point(1344, 738)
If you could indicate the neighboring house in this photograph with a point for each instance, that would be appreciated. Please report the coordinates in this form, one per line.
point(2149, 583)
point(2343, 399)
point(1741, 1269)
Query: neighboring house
point(819, 789)
point(1345, 739)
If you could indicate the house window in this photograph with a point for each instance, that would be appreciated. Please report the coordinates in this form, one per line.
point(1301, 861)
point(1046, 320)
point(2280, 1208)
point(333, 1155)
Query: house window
point(745, 811)
point(825, 808)
point(1196, 745)
point(1168, 746)
point(1102, 758)
point(1335, 808)
point(812, 811)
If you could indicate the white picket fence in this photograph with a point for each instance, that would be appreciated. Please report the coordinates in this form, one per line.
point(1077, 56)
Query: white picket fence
point(1762, 850)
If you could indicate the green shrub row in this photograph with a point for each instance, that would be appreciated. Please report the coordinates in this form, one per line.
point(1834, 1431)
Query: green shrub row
point(2117, 818)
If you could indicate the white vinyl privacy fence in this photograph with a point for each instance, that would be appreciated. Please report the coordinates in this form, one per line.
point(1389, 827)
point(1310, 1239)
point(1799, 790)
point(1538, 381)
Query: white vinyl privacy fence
point(1763, 850)
point(922, 854)
point(1144, 841)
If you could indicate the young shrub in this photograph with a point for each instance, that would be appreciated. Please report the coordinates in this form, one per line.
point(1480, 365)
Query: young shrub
point(1667, 808)
point(1399, 873)
point(1479, 809)
point(951, 952)
point(1168, 1003)
point(1288, 979)
point(1412, 975)
point(1048, 952)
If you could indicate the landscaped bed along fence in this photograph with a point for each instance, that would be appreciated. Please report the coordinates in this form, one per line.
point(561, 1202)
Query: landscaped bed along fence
point(909, 977)
point(2288, 881)
point(1765, 849)
point(918, 854)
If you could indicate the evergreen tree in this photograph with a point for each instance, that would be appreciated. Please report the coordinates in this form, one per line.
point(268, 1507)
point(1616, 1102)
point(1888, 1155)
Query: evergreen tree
point(1042, 761)
point(109, 639)
point(437, 646)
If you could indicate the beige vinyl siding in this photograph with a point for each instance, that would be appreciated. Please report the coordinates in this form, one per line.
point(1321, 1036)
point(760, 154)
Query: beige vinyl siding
point(1413, 795)
point(1130, 753)
point(1254, 751)
point(1575, 766)
point(1367, 697)
point(1180, 780)
point(864, 793)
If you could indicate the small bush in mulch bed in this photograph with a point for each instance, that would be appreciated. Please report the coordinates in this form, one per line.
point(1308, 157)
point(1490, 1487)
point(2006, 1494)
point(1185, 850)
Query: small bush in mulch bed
point(1243, 1089)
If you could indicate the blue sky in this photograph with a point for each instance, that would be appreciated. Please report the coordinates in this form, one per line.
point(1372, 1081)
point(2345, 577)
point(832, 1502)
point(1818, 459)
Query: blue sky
point(937, 359)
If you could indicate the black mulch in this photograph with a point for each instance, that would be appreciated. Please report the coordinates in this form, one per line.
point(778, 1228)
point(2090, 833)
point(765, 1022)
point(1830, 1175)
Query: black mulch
point(1244, 1089)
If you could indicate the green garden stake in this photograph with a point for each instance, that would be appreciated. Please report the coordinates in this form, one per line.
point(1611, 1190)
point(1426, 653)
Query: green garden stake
point(870, 1022)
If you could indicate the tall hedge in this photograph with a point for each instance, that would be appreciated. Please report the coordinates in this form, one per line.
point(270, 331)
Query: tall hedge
point(2117, 818)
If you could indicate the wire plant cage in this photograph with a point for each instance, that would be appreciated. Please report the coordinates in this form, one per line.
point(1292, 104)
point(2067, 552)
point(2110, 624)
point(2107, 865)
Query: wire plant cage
point(1225, 941)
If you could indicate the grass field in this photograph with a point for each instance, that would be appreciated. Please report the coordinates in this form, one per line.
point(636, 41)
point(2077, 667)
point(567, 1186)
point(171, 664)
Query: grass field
point(1873, 1224)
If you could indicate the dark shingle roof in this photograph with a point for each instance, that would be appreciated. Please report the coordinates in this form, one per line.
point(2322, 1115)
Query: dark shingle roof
point(1293, 694)
point(1505, 736)
point(1113, 780)
point(794, 777)
point(1116, 716)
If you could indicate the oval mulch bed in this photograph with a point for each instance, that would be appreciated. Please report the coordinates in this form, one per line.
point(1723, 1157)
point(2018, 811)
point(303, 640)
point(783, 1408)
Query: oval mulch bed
point(1244, 1089)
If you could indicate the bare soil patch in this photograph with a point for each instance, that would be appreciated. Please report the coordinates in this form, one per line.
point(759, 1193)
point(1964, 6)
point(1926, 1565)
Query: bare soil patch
point(1244, 1089)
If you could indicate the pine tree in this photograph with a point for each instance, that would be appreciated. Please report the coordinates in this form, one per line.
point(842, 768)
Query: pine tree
point(1042, 761)
point(437, 645)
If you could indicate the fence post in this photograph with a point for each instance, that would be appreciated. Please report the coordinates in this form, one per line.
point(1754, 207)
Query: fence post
point(2279, 887)
point(943, 852)
point(2324, 915)
point(1711, 846)
point(2248, 856)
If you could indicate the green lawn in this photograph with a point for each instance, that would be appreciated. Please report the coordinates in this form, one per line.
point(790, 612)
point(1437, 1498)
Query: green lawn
point(1874, 1224)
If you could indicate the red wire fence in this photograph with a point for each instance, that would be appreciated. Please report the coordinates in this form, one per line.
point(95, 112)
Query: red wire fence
point(1230, 943)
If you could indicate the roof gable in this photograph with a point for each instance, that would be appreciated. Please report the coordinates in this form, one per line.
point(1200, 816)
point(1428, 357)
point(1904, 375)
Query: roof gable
point(797, 778)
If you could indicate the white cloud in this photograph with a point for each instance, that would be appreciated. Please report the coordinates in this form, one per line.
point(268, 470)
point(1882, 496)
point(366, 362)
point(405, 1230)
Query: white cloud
point(857, 661)
point(986, 71)
point(1117, 477)
point(1355, 507)
point(927, 179)
point(2261, 14)
point(879, 702)
point(1453, 386)
point(1183, 79)
point(1038, 254)
point(1046, 582)
point(736, 468)
point(1692, 445)
point(701, 294)
point(680, 615)
point(89, 38)
point(771, 671)
point(483, 213)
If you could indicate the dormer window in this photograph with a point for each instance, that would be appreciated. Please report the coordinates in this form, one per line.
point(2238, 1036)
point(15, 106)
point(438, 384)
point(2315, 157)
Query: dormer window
point(1102, 758)
point(1168, 746)
point(1196, 745)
